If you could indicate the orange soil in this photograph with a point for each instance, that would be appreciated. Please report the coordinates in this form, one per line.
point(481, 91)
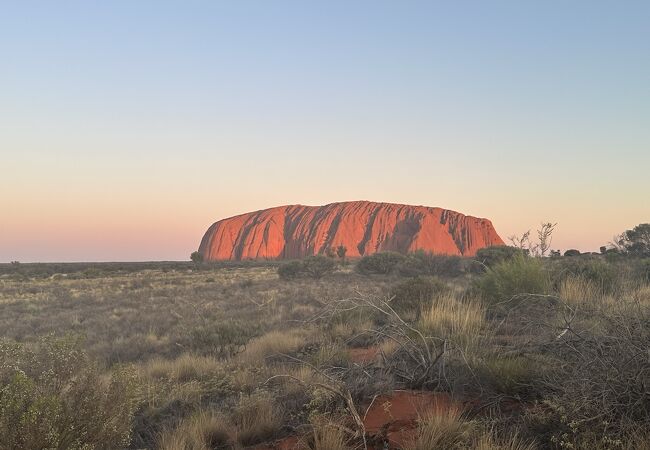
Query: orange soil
point(393, 417)
point(364, 355)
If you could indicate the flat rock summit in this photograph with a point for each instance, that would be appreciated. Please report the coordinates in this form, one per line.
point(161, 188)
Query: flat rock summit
point(363, 227)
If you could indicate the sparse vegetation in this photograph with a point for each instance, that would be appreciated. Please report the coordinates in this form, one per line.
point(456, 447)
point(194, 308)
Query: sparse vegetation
point(511, 280)
point(545, 353)
point(423, 263)
point(312, 267)
point(491, 256)
point(411, 294)
point(382, 263)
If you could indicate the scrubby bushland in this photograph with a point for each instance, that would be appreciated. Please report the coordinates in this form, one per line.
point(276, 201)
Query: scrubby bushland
point(382, 263)
point(312, 267)
point(421, 263)
point(51, 396)
point(567, 369)
point(605, 275)
point(414, 294)
point(491, 256)
point(514, 278)
point(597, 394)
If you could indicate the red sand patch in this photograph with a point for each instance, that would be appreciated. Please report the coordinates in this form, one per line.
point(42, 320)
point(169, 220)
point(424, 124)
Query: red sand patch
point(393, 417)
point(364, 355)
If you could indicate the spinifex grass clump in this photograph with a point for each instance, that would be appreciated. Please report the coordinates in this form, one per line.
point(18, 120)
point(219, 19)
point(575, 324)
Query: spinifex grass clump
point(512, 280)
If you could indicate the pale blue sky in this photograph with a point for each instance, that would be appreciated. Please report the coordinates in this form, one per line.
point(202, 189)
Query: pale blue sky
point(126, 128)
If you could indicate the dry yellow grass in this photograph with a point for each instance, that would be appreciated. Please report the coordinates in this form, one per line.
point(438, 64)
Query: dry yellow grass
point(203, 431)
point(577, 290)
point(274, 343)
point(186, 367)
point(441, 428)
point(257, 419)
point(459, 320)
point(328, 435)
point(388, 347)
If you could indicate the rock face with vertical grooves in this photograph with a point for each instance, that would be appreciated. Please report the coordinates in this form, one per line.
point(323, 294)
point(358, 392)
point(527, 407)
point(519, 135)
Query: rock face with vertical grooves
point(296, 231)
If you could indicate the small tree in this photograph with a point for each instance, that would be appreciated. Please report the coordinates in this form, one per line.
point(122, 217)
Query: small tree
point(521, 242)
point(196, 257)
point(635, 241)
point(545, 236)
point(341, 250)
point(540, 248)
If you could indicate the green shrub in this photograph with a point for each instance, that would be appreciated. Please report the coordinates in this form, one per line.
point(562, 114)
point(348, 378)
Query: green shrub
point(491, 256)
point(643, 269)
point(312, 267)
point(426, 263)
point(381, 263)
point(413, 293)
point(520, 275)
point(196, 257)
point(318, 266)
point(513, 376)
point(290, 270)
point(572, 252)
point(51, 396)
point(603, 274)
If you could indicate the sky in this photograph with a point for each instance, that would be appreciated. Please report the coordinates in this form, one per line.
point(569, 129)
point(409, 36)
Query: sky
point(127, 128)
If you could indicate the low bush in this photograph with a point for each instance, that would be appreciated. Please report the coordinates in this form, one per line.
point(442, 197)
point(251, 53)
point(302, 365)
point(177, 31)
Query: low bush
point(510, 279)
point(422, 263)
point(290, 270)
point(603, 274)
point(511, 375)
point(382, 263)
point(414, 293)
point(491, 256)
point(312, 267)
point(604, 373)
point(318, 266)
point(52, 396)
